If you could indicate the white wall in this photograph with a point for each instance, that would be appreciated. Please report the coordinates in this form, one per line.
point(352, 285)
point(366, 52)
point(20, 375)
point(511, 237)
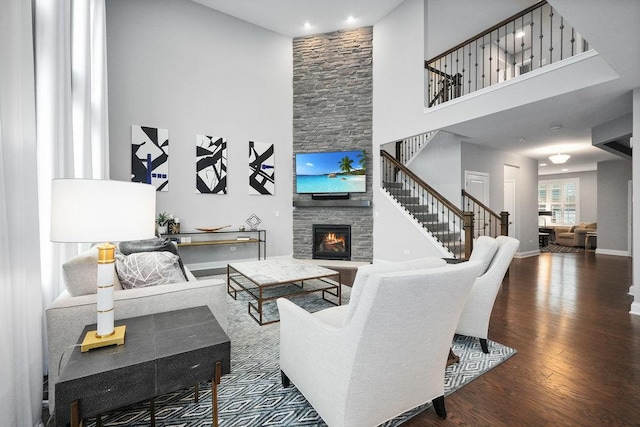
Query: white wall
point(439, 165)
point(187, 68)
point(613, 213)
point(525, 174)
point(398, 61)
point(635, 165)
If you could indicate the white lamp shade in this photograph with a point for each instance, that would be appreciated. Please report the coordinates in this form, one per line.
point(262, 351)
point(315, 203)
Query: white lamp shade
point(559, 158)
point(87, 210)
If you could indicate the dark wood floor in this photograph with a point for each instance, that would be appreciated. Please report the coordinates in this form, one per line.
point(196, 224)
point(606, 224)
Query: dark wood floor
point(578, 360)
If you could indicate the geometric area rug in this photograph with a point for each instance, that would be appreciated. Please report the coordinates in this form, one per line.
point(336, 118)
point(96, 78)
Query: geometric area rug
point(252, 394)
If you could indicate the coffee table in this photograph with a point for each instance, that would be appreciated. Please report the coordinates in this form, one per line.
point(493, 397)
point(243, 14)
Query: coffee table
point(162, 353)
point(268, 280)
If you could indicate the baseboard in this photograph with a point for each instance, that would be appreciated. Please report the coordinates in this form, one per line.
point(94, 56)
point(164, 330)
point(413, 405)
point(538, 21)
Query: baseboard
point(527, 254)
point(611, 252)
point(635, 308)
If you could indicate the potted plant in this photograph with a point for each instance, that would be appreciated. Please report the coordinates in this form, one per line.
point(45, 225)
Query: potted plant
point(162, 220)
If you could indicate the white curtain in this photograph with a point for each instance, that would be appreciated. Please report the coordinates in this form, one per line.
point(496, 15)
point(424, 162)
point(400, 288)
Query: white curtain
point(21, 302)
point(71, 86)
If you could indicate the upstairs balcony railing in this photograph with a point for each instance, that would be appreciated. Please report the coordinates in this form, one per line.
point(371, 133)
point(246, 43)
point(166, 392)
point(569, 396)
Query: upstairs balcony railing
point(536, 37)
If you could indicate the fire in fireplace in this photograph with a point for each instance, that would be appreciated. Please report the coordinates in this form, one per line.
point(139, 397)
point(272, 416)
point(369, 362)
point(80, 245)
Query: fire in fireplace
point(332, 242)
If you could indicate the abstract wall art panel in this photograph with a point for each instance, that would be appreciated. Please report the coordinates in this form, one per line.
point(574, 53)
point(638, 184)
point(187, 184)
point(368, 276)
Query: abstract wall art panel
point(150, 156)
point(211, 165)
point(261, 168)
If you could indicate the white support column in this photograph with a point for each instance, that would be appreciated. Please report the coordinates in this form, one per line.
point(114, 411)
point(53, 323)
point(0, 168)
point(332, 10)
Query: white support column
point(635, 273)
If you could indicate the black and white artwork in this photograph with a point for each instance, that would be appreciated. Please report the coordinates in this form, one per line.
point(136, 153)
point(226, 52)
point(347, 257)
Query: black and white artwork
point(211, 165)
point(150, 156)
point(261, 168)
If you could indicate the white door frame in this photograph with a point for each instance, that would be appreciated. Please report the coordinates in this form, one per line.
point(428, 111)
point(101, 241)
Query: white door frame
point(478, 176)
point(510, 193)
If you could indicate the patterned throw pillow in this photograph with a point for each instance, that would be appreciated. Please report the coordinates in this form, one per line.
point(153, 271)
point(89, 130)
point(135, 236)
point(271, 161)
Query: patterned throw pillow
point(151, 245)
point(142, 269)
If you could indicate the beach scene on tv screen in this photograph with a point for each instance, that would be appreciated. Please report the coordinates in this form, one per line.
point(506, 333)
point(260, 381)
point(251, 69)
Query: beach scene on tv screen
point(331, 172)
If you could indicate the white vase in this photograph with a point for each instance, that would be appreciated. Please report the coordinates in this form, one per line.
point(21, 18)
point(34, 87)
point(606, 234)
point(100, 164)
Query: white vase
point(162, 229)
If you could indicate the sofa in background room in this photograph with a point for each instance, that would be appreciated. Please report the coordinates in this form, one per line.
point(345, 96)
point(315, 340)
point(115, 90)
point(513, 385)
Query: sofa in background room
point(574, 235)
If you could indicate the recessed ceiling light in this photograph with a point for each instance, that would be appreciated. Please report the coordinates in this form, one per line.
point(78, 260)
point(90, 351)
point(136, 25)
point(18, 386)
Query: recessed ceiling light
point(555, 128)
point(520, 34)
point(542, 164)
point(564, 170)
point(307, 25)
point(351, 19)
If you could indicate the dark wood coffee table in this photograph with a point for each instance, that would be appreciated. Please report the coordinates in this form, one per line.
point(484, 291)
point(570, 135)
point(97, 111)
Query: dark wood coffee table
point(162, 353)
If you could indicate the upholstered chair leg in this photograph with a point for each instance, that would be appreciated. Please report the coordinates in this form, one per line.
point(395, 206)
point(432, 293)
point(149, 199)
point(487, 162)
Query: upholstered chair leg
point(286, 382)
point(484, 345)
point(438, 405)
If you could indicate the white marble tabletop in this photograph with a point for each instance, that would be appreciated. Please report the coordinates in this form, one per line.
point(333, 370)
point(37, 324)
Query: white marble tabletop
point(280, 270)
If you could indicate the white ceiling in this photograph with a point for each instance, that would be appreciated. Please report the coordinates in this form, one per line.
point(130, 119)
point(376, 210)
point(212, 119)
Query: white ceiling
point(525, 130)
point(287, 17)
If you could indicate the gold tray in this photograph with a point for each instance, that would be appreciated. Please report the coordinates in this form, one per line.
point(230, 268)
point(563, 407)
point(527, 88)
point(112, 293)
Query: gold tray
point(211, 229)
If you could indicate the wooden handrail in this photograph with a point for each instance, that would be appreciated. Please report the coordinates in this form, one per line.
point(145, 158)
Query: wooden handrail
point(478, 202)
point(490, 30)
point(430, 189)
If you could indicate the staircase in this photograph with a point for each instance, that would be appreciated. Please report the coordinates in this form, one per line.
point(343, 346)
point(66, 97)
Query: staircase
point(427, 207)
point(453, 228)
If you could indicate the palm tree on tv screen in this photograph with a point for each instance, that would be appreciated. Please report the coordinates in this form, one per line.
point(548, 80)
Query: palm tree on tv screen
point(361, 159)
point(345, 164)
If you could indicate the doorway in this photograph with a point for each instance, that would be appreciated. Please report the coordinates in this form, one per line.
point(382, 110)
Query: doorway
point(509, 200)
point(477, 184)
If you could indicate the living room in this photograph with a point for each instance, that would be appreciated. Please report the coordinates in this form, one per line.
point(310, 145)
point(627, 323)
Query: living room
point(209, 88)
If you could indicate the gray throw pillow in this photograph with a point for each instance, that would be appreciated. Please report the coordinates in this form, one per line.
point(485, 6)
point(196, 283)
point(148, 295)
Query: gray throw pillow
point(142, 269)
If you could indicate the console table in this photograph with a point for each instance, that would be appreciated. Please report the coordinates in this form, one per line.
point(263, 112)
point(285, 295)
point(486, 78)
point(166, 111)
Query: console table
point(162, 353)
point(223, 237)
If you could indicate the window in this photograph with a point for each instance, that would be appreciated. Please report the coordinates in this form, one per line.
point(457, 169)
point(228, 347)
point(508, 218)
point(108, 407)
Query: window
point(561, 197)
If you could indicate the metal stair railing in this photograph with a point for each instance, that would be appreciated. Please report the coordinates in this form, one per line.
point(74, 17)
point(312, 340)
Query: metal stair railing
point(408, 147)
point(486, 221)
point(452, 227)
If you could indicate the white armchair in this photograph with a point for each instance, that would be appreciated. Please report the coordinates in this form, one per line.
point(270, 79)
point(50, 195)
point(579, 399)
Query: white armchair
point(367, 362)
point(474, 320)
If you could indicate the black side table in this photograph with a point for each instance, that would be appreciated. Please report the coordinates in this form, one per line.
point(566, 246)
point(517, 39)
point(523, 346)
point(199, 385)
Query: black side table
point(162, 353)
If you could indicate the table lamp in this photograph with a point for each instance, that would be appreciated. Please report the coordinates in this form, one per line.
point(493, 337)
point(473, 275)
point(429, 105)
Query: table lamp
point(86, 210)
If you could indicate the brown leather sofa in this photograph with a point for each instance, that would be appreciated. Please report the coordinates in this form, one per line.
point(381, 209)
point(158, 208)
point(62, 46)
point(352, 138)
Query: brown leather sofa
point(574, 235)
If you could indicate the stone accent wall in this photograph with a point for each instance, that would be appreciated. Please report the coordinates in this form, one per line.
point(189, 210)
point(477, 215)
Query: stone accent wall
point(332, 111)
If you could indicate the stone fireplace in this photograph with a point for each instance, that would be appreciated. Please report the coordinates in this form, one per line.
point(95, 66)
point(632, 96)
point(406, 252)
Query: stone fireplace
point(331, 242)
point(333, 111)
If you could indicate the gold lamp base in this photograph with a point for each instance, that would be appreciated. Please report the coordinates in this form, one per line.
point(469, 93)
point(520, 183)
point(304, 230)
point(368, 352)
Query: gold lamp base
point(91, 340)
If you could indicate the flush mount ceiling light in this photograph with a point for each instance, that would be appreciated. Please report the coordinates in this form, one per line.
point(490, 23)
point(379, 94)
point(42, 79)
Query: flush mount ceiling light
point(559, 158)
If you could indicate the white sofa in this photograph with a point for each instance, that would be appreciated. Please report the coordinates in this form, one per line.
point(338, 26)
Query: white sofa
point(68, 315)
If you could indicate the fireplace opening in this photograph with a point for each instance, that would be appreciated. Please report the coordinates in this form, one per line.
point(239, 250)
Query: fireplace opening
point(332, 242)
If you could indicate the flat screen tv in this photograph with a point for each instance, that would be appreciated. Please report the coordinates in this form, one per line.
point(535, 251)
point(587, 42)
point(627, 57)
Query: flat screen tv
point(331, 172)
